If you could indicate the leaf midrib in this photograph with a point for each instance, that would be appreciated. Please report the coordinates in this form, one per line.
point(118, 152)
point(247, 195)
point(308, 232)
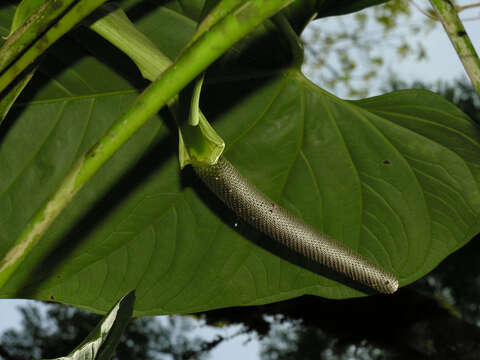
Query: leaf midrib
point(77, 97)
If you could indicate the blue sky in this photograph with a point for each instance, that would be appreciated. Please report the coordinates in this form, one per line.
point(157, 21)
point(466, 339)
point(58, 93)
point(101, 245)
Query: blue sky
point(442, 64)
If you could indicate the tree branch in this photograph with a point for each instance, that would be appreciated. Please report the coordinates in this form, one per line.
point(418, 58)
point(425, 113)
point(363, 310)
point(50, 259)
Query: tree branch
point(465, 7)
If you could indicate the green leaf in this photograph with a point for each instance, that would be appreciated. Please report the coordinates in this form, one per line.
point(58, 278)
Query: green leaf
point(8, 99)
point(100, 344)
point(395, 177)
point(192, 9)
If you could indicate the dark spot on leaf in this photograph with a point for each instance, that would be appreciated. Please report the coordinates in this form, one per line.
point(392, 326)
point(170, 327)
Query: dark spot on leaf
point(461, 33)
point(52, 297)
point(386, 162)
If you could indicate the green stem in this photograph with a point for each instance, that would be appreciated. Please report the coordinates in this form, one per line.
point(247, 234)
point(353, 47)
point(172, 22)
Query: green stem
point(35, 25)
point(453, 26)
point(190, 64)
point(223, 8)
point(199, 143)
point(76, 14)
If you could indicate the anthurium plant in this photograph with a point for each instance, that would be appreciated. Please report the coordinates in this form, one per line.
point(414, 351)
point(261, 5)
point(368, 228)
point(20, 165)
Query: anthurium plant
point(105, 107)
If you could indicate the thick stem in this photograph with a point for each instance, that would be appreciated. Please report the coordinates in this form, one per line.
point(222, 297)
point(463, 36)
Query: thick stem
point(453, 26)
point(223, 8)
point(189, 65)
point(34, 26)
point(76, 14)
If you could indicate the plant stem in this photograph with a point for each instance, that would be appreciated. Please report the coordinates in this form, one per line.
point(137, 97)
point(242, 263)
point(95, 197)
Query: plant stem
point(223, 8)
point(35, 25)
point(453, 26)
point(190, 64)
point(199, 144)
point(76, 14)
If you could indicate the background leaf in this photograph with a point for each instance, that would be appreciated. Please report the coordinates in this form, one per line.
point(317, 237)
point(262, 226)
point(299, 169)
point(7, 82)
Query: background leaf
point(395, 177)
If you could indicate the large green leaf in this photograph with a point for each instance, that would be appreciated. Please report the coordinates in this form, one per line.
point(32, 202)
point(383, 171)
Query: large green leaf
point(395, 177)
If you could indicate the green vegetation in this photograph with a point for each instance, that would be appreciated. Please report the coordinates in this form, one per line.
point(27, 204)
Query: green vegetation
point(93, 203)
